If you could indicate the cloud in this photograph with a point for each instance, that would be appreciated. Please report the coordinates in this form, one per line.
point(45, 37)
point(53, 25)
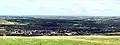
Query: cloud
point(60, 7)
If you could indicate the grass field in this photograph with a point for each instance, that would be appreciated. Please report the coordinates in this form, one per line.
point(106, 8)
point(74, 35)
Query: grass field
point(60, 40)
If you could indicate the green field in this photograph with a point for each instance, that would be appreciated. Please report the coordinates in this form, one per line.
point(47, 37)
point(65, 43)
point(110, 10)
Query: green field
point(60, 40)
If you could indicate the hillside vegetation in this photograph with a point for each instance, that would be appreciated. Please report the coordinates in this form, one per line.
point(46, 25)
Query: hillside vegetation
point(7, 22)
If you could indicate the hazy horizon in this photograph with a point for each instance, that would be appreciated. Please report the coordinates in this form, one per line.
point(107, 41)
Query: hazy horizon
point(60, 7)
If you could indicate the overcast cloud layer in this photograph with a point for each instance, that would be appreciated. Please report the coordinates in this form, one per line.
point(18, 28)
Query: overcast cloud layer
point(60, 7)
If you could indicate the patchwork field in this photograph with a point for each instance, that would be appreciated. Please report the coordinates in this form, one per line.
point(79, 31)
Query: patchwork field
point(60, 40)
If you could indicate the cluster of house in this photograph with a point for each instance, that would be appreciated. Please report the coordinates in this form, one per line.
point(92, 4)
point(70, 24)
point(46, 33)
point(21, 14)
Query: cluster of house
point(58, 32)
point(40, 32)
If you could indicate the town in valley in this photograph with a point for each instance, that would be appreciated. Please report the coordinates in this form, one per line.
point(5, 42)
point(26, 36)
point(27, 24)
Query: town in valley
point(59, 25)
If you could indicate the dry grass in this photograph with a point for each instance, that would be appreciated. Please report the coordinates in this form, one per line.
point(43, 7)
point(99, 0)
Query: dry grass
point(60, 40)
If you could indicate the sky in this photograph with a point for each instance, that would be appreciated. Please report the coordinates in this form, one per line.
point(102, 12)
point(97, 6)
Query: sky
point(60, 7)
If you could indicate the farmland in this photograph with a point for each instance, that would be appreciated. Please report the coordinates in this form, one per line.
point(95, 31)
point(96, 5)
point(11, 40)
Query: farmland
point(60, 40)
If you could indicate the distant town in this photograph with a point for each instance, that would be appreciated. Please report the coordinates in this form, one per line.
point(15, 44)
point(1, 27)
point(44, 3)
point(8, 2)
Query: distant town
point(59, 25)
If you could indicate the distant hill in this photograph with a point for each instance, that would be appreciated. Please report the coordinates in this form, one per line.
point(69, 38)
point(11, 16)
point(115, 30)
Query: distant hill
point(15, 17)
